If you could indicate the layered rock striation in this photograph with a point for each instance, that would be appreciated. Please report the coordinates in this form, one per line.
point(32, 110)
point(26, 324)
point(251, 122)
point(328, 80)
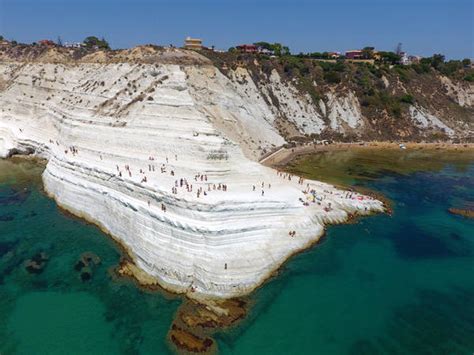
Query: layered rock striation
point(125, 142)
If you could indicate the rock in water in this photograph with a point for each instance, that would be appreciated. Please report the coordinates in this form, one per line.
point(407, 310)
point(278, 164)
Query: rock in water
point(468, 213)
point(37, 263)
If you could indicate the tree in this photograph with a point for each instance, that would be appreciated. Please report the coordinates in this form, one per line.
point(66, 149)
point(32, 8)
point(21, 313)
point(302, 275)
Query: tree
point(466, 62)
point(277, 48)
point(437, 60)
point(316, 55)
point(92, 41)
point(368, 52)
point(1, 38)
point(389, 57)
point(264, 45)
point(59, 41)
point(450, 67)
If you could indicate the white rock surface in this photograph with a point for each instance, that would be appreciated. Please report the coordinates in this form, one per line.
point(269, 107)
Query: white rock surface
point(426, 120)
point(298, 109)
point(461, 94)
point(344, 112)
point(122, 114)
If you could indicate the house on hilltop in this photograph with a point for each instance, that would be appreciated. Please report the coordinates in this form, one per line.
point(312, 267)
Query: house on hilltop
point(193, 43)
point(354, 54)
point(252, 48)
point(46, 42)
point(247, 48)
point(74, 45)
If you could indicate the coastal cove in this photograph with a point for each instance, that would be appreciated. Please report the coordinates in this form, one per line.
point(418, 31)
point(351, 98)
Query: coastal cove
point(397, 284)
point(360, 290)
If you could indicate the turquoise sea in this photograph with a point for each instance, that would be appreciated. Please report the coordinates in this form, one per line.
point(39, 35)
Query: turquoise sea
point(399, 284)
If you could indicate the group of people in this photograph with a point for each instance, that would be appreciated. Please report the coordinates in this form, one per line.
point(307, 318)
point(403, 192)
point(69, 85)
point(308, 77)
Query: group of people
point(71, 149)
point(203, 177)
point(52, 142)
point(263, 188)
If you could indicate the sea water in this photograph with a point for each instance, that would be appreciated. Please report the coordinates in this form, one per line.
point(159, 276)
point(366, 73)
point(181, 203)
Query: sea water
point(55, 311)
point(399, 284)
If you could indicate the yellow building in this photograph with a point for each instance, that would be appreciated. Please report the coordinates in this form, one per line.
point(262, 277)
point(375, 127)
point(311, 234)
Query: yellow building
point(193, 43)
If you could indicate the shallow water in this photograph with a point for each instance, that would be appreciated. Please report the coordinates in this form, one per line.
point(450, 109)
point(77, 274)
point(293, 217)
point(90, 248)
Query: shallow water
point(55, 312)
point(400, 284)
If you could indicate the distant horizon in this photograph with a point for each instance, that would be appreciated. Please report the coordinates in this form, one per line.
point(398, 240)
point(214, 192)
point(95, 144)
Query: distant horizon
point(423, 27)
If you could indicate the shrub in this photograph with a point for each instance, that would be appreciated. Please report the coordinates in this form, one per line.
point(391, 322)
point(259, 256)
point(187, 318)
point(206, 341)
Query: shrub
point(421, 68)
point(332, 77)
point(407, 99)
point(450, 67)
point(469, 77)
point(93, 41)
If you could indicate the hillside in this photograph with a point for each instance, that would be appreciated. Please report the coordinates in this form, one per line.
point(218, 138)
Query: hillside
point(357, 101)
point(289, 99)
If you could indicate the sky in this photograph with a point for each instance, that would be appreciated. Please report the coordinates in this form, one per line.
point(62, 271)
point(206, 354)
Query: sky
point(423, 27)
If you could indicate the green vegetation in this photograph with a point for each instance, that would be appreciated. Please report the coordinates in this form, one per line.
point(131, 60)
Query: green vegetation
point(421, 68)
point(315, 55)
point(437, 62)
point(92, 41)
point(368, 52)
point(469, 77)
point(277, 48)
point(407, 99)
point(403, 72)
point(389, 57)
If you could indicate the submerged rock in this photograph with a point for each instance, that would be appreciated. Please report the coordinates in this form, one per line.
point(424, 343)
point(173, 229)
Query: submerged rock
point(184, 340)
point(85, 265)
point(86, 275)
point(79, 265)
point(468, 213)
point(7, 217)
point(37, 263)
point(195, 323)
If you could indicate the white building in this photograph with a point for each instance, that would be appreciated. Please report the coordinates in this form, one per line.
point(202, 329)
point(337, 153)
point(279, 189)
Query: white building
point(73, 44)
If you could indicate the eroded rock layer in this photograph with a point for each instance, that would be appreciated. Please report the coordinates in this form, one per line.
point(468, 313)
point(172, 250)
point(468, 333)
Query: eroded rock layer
point(125, 142)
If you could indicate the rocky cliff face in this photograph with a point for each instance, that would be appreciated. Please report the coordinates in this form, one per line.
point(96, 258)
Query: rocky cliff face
point(316, 100)
point(130, 144)
point(127, 133)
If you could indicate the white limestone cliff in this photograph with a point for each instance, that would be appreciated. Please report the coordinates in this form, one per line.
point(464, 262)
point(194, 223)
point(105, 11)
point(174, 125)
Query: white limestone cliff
point(91, 120)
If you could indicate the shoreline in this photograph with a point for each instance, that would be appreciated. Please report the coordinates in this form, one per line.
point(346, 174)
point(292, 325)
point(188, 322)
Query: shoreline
point(128, 267)
point(192, 303)
point(283, 155)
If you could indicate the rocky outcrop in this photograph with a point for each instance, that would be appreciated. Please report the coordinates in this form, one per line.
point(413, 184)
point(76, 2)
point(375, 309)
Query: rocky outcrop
point(125, 142)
